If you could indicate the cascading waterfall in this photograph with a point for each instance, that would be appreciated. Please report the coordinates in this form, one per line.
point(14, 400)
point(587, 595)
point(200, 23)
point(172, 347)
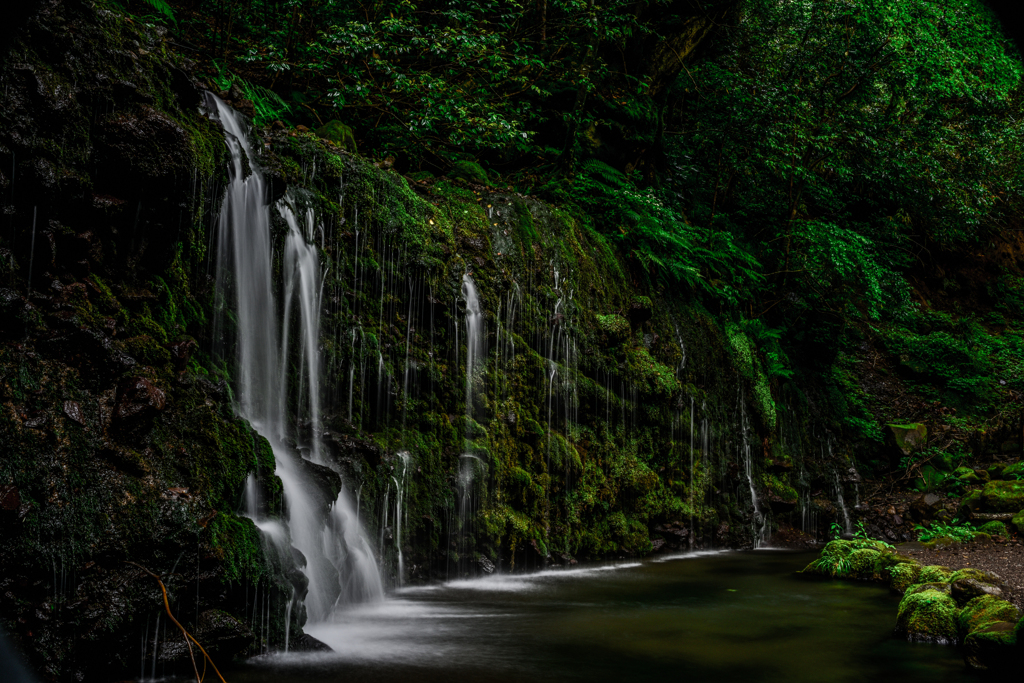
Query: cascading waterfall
point(760, 522)
point(340, 564)
point(470, 465)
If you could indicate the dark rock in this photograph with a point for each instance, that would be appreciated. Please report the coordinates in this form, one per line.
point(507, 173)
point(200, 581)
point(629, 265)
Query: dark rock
point(73, 411)
point(222, 634)
point(307, 643)
point(486, 565)
point(181, 351)
point(924, 509)
point(326, 481)
point(964, 590)
point(138, 398)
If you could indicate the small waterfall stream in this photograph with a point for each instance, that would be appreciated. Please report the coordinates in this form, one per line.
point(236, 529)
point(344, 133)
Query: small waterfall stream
point(340, 564)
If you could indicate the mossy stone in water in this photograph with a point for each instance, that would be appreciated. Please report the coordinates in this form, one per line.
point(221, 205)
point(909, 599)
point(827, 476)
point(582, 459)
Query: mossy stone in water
point(338, 133)
point(927, 616)
point(470, 171)
point(983, 610)
point(994, 528)
point(992, 647)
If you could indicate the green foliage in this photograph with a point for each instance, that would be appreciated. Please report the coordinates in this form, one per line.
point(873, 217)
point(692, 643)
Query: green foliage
point(962, 533)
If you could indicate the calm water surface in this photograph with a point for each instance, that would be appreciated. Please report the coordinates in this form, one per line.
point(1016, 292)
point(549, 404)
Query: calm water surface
point(732, 616)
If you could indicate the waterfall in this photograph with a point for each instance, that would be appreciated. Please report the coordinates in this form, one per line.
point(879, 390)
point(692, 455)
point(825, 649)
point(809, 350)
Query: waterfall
point(471, 467)
point(760, 522)
point(340, 564)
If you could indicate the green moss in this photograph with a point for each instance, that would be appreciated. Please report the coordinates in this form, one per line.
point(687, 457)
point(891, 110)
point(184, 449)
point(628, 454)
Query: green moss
point(928, 615)
point(935, 574)
point(614, 326)
point(903, 576)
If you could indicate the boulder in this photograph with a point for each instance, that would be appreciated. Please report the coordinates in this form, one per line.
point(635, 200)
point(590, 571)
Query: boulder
point(927, 615)
point(1002, 496)
point(991, 647)
point(983, 610)
point(307, 643)
point(1018, 522)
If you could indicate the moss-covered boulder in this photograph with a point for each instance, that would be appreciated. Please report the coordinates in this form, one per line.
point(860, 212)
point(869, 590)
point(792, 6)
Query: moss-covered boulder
point(856, 559)
point(928, 615)
point(470, 171)
point(982, 610)
point(1012, 472)
point(1003, 496)
point(992, 648)
point(1018, 522)
point(340, 134)
point(903, 576)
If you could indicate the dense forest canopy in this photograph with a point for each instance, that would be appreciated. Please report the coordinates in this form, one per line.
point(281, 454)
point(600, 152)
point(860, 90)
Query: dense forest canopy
point(798, 164)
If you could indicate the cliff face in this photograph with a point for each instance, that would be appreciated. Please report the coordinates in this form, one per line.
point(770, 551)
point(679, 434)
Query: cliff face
point(117, 446)
point(496, 390)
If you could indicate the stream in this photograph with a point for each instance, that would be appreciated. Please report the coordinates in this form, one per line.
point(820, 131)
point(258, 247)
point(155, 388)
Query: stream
point(716, 616)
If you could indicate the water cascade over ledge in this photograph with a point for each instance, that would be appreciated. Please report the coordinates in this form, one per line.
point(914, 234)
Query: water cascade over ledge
point(271, 343)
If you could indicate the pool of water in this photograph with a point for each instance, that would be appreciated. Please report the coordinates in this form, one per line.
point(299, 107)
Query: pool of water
point(729, 616)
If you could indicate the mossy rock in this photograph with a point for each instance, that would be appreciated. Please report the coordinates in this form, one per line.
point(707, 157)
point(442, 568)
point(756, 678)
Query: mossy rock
point(983, 610)
point(927, 616)
point(420, 175)
point(615, 327)
point(340, 134)
point(971, 502)
point(903, 576)
point(859, 558)
point(1018, 522)
point(993, 647)
point(934, 573)
point(994, 528)
point(909, 437)
point(470, 171)
point(1014, 471)
point(976, 574)
point(1003, 496)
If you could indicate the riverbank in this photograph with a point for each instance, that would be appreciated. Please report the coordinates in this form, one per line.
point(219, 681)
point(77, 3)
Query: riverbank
point(1004, 558)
